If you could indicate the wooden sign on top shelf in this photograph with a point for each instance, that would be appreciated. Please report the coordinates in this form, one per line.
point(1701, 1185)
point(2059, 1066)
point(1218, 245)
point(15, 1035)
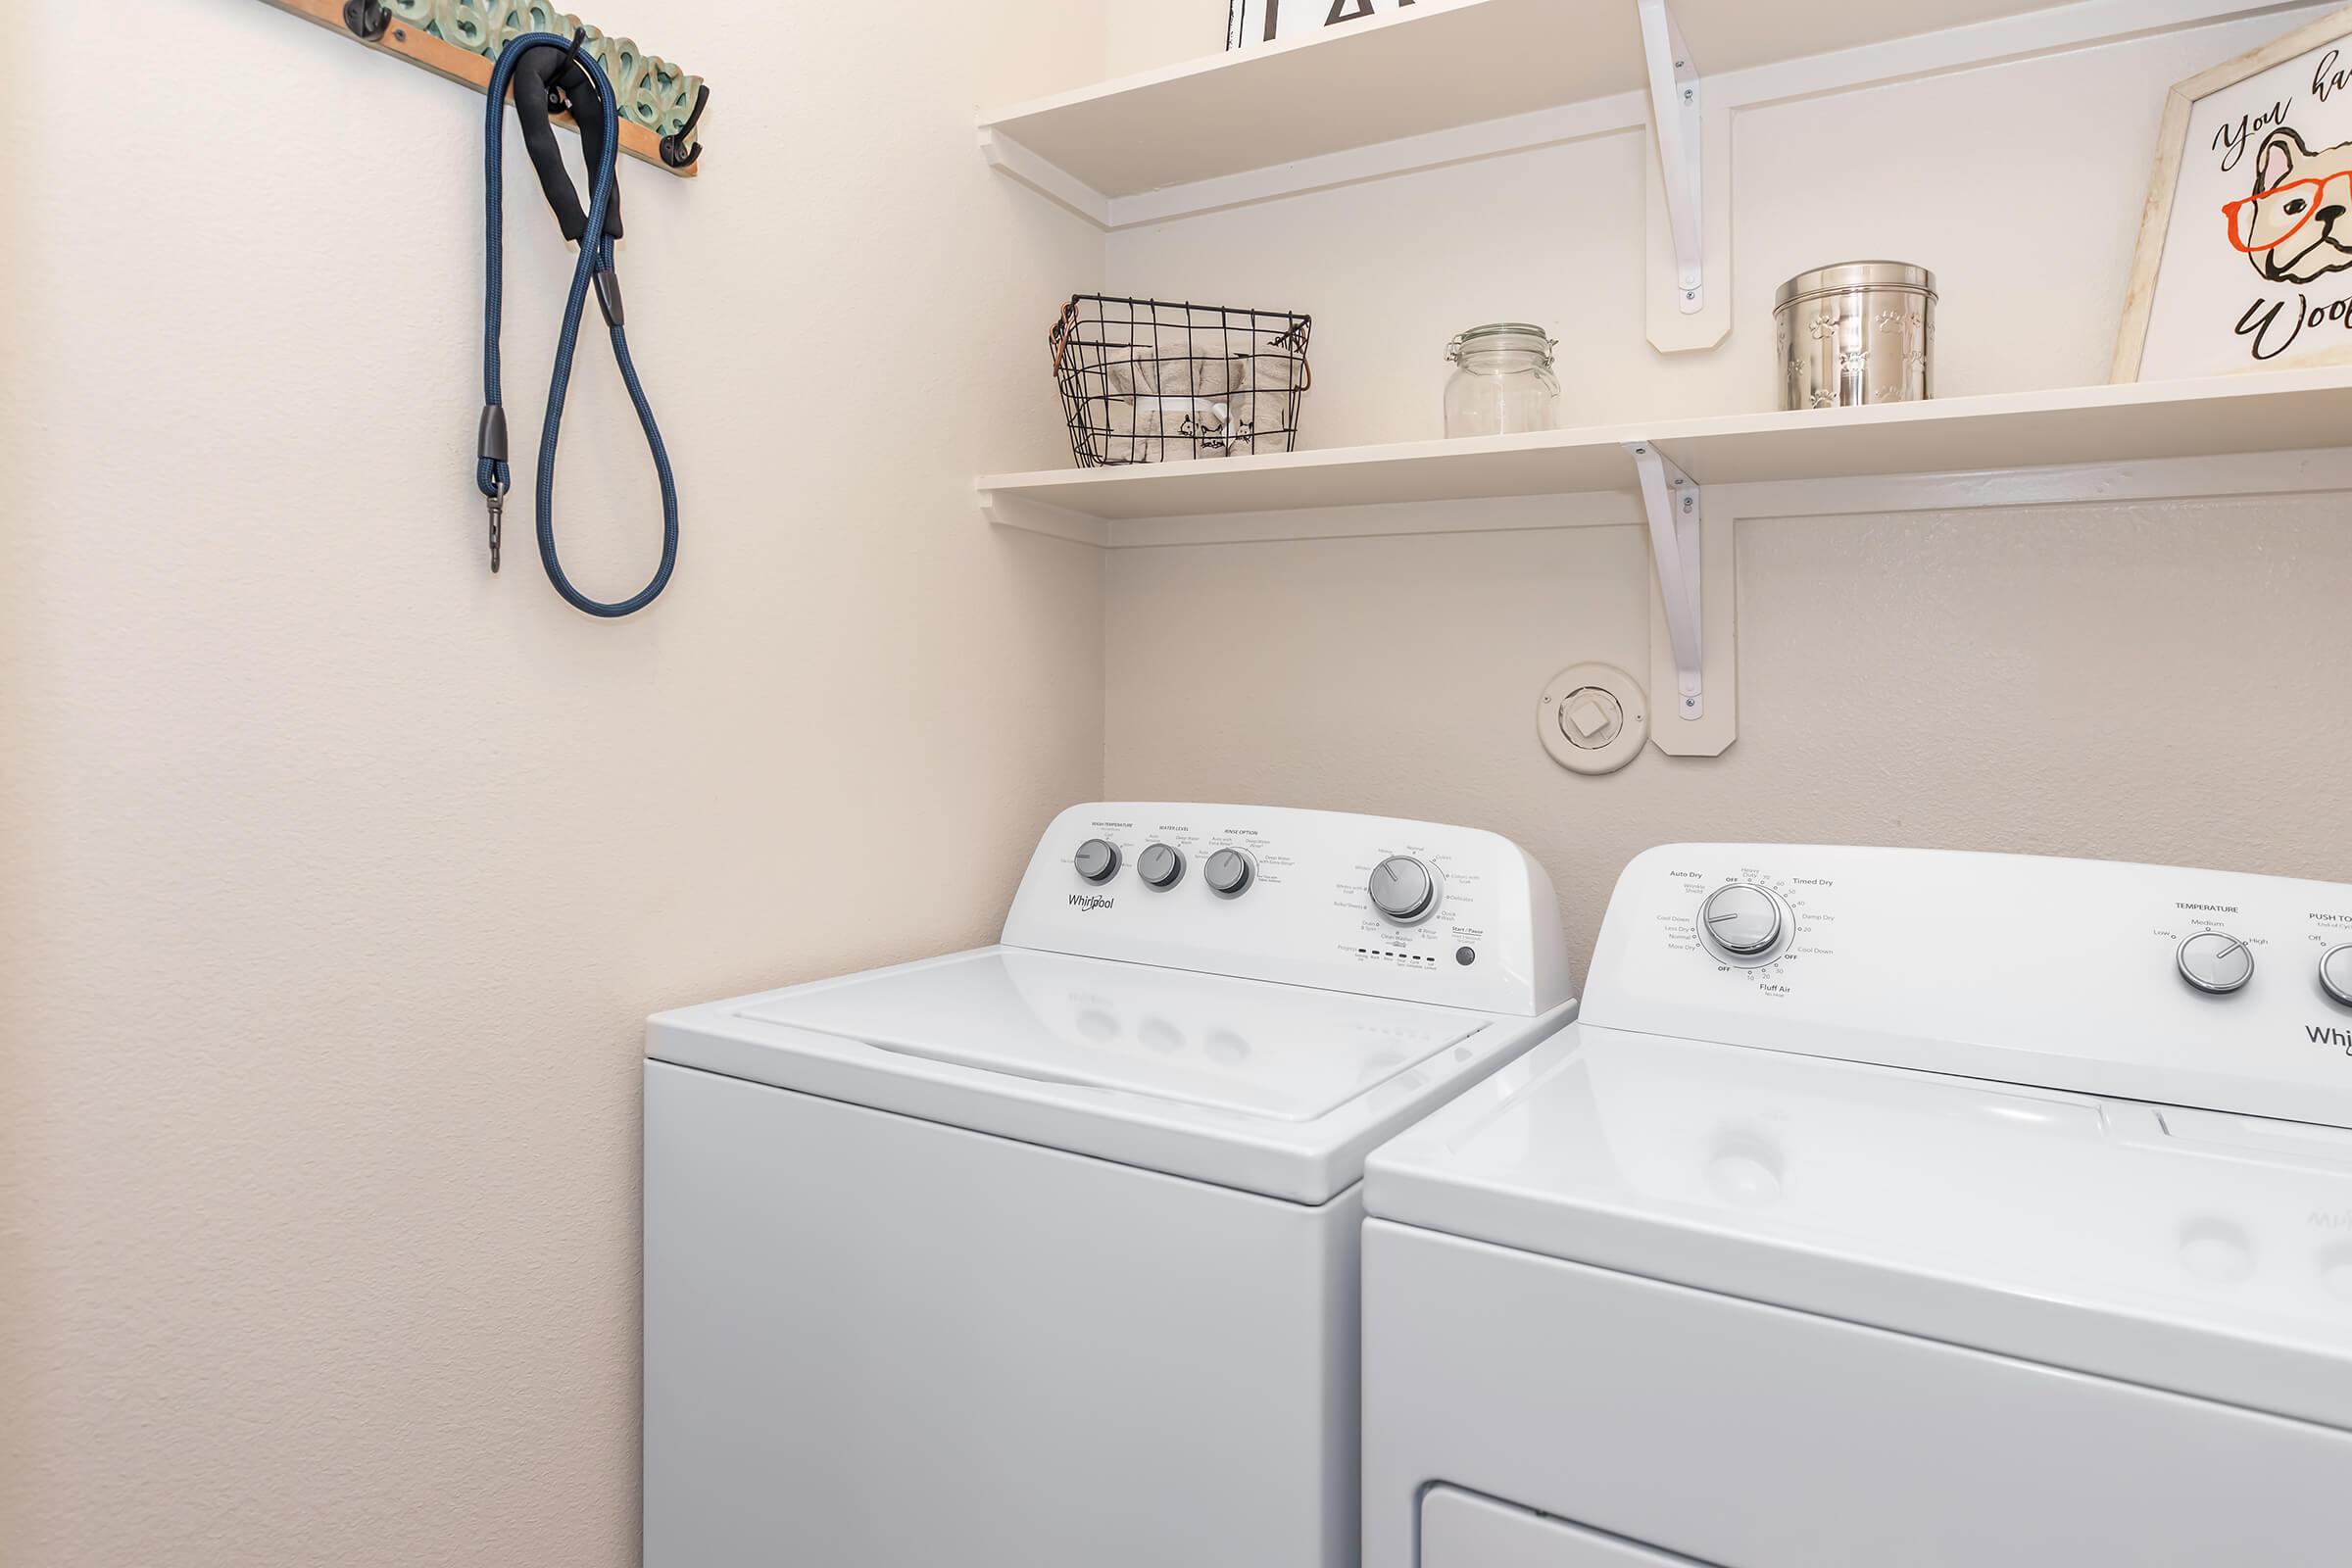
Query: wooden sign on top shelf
point(1254, 22)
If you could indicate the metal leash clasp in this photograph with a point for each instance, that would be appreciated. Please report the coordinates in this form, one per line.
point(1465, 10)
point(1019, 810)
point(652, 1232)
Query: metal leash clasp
point(491, 446)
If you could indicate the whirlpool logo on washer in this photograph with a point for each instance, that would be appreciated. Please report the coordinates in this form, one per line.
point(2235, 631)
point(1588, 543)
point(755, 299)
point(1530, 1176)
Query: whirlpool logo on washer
point(2322, 1035)
point(1091, 901)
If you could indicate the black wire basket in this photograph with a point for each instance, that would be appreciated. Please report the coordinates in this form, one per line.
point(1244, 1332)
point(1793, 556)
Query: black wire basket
point(1154, 381)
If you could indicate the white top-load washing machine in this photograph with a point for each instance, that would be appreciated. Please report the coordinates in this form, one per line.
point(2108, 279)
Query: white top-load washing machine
point(1045, 1253)
point(1887, 1209)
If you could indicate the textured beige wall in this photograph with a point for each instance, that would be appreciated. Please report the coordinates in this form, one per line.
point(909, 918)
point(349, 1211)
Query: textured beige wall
point(2158, 682)
point(339, 875)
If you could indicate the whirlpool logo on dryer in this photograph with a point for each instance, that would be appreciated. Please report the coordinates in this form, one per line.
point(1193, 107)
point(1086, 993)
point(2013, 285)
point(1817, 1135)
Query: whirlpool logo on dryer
point(1091, 901)
point(2322, 1035)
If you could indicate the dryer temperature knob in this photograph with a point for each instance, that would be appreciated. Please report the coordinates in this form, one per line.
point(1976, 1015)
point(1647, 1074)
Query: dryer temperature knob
point(2216, 962)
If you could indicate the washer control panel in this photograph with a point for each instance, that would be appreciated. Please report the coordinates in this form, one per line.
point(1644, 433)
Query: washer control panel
point(2194, 988)
point(1379, 905)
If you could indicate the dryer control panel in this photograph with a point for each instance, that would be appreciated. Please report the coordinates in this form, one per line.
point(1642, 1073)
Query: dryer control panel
point(2199, 987)
point(1373, 905)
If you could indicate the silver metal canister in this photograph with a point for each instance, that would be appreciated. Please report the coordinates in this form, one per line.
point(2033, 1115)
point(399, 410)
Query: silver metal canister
point(1856, 333)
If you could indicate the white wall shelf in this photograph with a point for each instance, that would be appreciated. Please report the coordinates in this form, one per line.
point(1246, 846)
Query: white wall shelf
point(1443, 66)
point(2083, 444)
point(2284, 411)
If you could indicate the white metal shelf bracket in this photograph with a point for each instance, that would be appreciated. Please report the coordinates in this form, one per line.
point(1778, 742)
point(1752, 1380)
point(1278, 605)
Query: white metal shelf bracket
point(1674, 89)
point(1677, 514)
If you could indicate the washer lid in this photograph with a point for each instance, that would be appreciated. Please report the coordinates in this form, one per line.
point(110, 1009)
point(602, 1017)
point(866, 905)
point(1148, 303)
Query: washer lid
point(1276, 1089)
point(2190, 1251)
point(1256, 1050)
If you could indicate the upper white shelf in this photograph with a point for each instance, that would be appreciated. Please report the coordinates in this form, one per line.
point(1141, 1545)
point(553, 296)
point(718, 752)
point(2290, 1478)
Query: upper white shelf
point(1440, 66)
point(2283, 410)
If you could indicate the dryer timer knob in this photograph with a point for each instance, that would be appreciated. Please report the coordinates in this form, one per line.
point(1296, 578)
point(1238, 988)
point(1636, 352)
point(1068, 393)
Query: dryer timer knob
point(1741, 920)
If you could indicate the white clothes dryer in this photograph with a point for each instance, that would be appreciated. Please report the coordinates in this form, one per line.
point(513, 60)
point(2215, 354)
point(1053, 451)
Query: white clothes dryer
point(1888, 1207)
point(1045, 1253)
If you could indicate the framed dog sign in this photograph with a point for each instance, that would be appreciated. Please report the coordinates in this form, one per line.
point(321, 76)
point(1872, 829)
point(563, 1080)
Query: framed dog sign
point(2246, 247)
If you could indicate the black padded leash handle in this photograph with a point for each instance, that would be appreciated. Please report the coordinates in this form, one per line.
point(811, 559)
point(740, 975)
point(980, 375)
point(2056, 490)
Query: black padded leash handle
point(546, 81)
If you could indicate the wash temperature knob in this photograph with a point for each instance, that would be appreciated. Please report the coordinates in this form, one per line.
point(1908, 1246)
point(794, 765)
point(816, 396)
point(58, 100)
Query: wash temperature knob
point(1404, 891)
point(2216, 962)
point(1742, 920)
point(1098, 859)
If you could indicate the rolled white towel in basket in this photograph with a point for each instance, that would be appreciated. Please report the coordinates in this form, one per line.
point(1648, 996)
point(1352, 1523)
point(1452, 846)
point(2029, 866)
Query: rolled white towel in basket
point(1143, 376)
point(1160, 430)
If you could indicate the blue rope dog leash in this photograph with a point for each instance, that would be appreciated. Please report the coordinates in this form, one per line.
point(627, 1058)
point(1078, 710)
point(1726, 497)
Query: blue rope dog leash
point(581, 76)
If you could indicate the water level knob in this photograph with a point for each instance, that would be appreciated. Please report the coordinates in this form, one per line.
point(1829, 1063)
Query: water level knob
point(1161, 866)
point(2216, 962)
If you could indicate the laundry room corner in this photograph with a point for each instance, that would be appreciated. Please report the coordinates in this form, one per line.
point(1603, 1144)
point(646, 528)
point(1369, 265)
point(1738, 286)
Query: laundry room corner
point(1175, 783)
point(340, 873)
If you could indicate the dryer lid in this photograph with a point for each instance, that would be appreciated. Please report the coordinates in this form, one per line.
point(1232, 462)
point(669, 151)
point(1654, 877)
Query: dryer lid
point(2191, 1250)
point(1254, 1048)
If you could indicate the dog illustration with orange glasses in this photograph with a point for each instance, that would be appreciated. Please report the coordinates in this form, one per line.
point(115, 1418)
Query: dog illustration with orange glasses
point(2290, 227)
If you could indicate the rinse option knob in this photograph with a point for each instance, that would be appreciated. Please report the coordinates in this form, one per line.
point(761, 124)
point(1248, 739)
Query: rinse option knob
point(1742, 920)
point(1161, 866)
point(2335, 975)
point(2216, 962)
point(1405, 890)
point(1229, 873)
point(1098, 859)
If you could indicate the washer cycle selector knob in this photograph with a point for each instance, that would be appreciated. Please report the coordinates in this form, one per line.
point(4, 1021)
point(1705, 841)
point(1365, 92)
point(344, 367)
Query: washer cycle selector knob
point(1098, 859)
point(1161, 866)
point(2216, 962)
point(1404, 891)
point(1229, 873)
point(2335, 975)
point(1742, 920)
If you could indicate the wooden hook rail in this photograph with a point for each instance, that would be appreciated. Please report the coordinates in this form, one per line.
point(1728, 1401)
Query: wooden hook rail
point(406, 41)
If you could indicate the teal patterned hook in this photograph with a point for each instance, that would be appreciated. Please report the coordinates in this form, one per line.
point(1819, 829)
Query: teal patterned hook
point(653, 93)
